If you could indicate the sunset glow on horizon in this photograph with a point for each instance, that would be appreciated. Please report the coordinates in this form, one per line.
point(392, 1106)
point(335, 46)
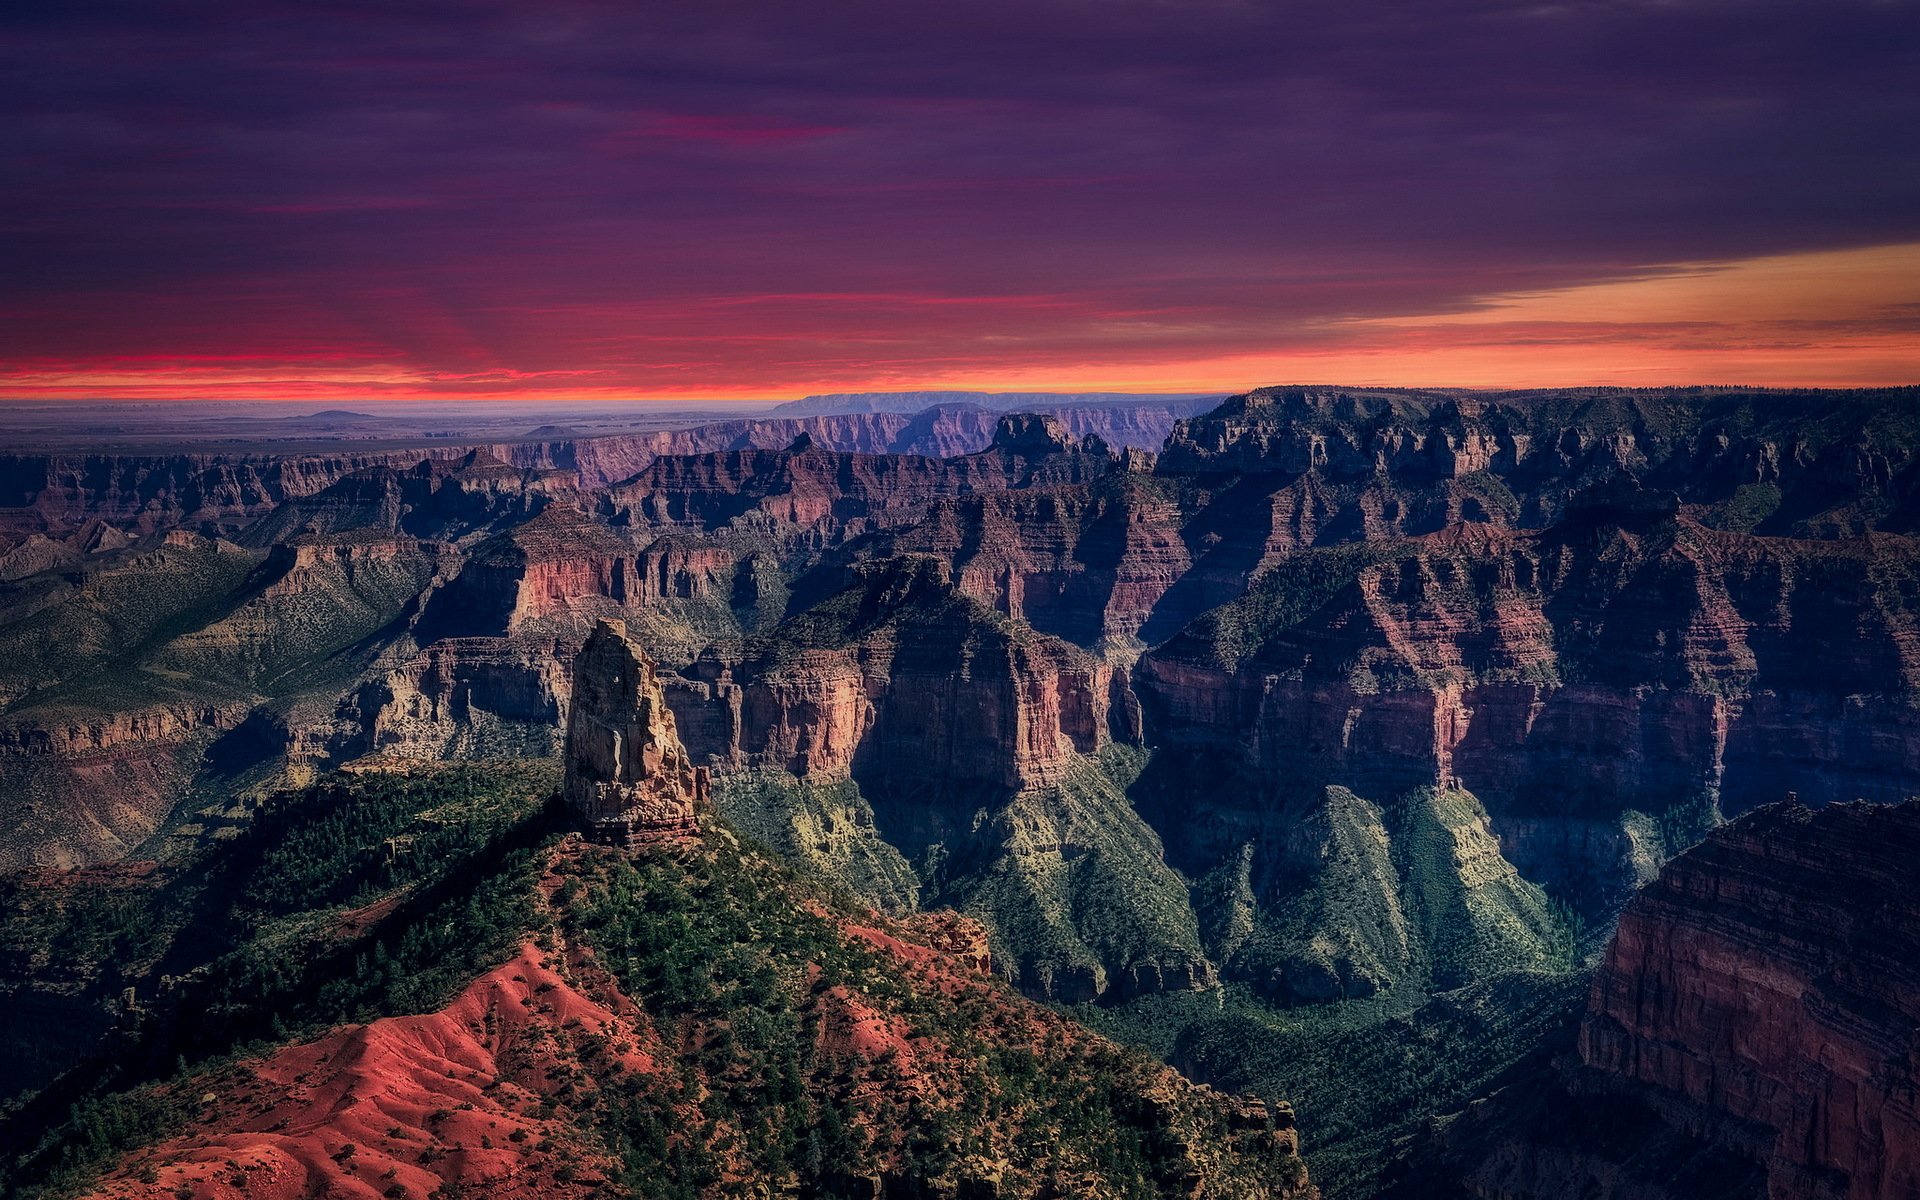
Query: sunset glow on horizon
point(589, 202)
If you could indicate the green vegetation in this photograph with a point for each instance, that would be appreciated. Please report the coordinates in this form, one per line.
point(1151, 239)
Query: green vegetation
point(1361, 1074)
point(1076, 884)
point(1751, 504)
point(1287, 593)
point(736, 958)
point(277, 642)
point(825, 827)
point(350, 839)
point(256, 934)
point(1493, 493)
point(1361, 899)
point(744, 968)
point(135, 602)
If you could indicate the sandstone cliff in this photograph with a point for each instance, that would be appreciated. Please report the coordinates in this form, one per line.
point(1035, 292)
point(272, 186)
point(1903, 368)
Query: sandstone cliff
point(901, 677)
point(562, 561)
point(1612, 664)
point(1772, 976)
point(1753, 1032)
point(627, 775)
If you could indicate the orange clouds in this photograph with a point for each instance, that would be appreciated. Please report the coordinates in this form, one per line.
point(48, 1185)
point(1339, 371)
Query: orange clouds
point(1839, 318)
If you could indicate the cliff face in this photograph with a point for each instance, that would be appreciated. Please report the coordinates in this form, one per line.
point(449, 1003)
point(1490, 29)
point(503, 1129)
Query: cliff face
point(1607, 664)
point(817, 497)
point(1088, 564)
point(627, 775)
point(458, 697)
point(563, 561)
point(1776, 462)
point(1772, 975)
point(902, 678)
point(1753, 1032)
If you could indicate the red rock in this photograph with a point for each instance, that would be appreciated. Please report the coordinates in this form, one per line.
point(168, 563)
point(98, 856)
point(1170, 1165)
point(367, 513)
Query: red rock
point(1772, 975)
point(920, 684)
point(415, 1103)
point(627, 775)
point(1576, 673)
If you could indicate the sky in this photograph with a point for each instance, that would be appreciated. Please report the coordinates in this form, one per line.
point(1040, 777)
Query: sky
point(733, 198)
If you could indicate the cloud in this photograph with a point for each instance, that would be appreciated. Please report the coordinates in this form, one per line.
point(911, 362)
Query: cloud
point(764, 196)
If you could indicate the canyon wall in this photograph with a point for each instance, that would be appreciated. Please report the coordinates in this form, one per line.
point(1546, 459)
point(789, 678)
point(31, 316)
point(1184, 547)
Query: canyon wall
point(906, 682)
point(1753, 1033)
point(1771, 975)
point(142, 492)
point(1613, 664)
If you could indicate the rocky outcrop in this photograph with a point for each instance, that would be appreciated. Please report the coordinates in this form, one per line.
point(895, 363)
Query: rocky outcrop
point(1614, 663)
point(1771, 977)
point(95, 734)
point(323, 562)
point(901, 678)
point(562, 561)
point(1752, 1033)
point(934, 748)
point(459, 697)
point(23, 554)
point(627, 775)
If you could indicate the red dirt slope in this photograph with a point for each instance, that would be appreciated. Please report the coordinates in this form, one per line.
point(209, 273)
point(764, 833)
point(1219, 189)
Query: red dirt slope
point(407, 1105)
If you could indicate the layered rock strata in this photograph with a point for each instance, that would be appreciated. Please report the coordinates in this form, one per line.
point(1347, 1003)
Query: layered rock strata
point(902, 678)
point(627, 775)
point(1771, 978)
point(1616, 662)
point(1753, 1033)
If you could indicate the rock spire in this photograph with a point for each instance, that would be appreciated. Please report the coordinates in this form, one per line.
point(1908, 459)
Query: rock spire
point(627, 774)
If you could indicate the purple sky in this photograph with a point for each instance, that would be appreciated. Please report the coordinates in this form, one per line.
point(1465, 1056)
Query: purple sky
point(760, 199)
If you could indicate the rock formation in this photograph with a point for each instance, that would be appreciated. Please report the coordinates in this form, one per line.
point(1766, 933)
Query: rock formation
point(1771, 978)
point(1753, 1032)
point(1346, 693)
point(901, 676)
point(627, 775)
point(563, 561)
point(1616, 662)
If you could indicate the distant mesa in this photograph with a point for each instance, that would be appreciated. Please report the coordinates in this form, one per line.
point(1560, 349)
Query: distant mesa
point(627, 774)
point(846, 403)
point(341, 414)
point(554, 432)
point(1032, 434)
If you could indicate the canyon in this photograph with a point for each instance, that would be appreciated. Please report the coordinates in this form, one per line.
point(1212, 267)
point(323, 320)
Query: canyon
point(1318, 700)
point(1750, 1031)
